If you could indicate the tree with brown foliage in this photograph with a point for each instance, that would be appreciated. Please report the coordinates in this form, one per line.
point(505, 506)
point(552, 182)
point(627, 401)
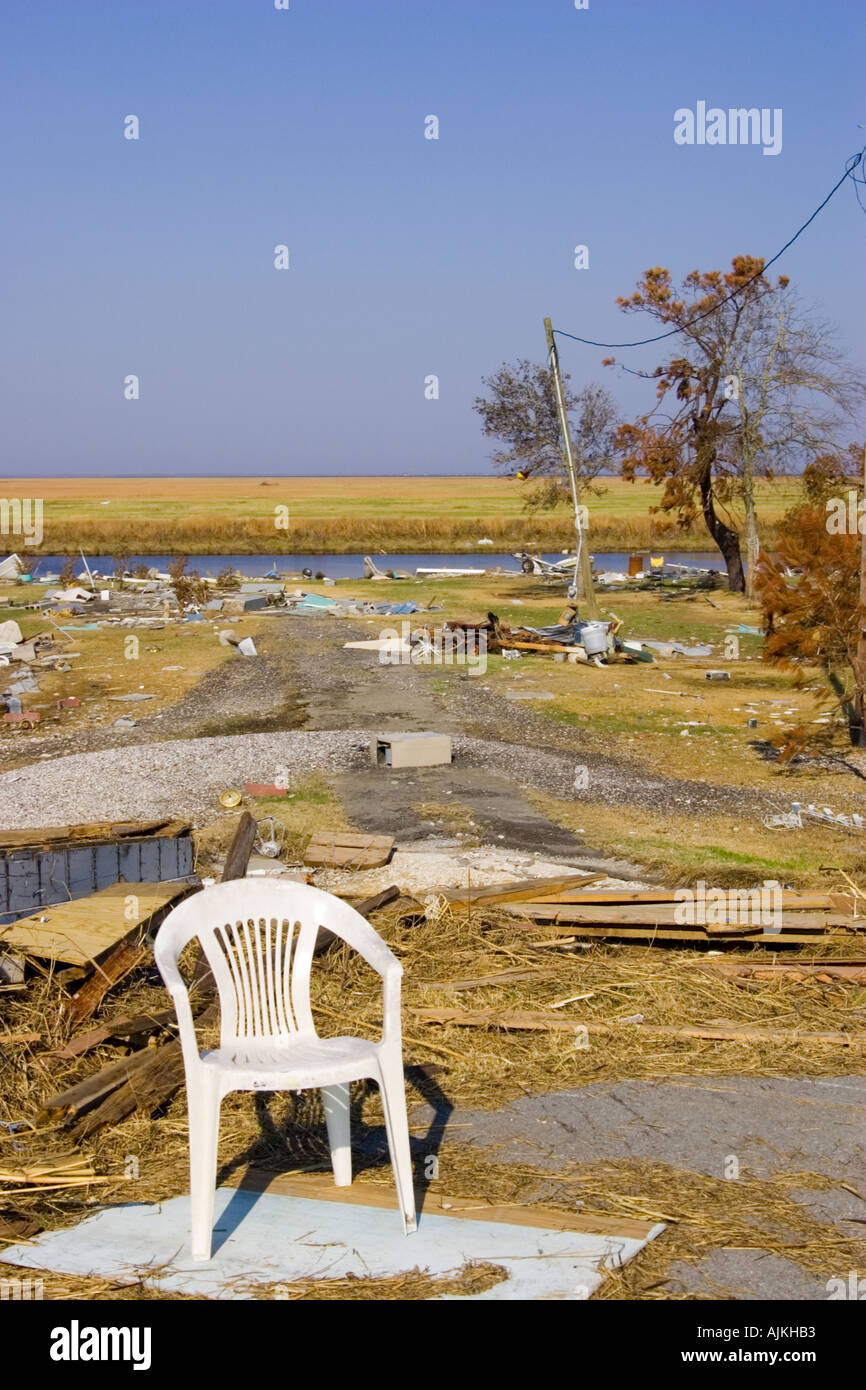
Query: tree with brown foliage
point(753, 386)
point(810, 594)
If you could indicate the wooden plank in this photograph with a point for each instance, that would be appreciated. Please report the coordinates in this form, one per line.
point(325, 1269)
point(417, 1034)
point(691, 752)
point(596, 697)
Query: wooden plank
point(669, 915)
point(799, 970)
point(111, 970)
point(793, 901)
point(76, 1098)
point(148, 1087)
point(666, 915)
point(320, 1188)
point(240, 849)
point(372, 904)
point(527, 1021)
point(663, 935)
point(342, 849)
point(501, 977)
point(102, 830)
point(123, 1027)
point(519, 890)
point(81, 931)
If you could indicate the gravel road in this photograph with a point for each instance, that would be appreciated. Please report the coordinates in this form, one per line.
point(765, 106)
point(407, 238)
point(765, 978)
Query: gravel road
point(307, 705)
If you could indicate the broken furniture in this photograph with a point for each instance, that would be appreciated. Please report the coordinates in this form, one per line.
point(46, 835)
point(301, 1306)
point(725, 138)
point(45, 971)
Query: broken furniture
point(410, 750)
point(259, 942)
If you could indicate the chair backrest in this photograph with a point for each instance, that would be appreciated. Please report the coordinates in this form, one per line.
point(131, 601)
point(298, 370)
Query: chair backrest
point(258, 939)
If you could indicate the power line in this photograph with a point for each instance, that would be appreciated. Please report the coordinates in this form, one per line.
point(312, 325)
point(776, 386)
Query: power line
point(850, 166)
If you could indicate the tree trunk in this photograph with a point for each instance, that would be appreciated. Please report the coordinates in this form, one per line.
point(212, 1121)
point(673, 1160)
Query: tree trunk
point(752, 545)
point(855, 713)
point(727, 540)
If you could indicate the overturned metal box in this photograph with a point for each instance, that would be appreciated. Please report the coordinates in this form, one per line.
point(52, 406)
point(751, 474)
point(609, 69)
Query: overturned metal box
point(410, 750)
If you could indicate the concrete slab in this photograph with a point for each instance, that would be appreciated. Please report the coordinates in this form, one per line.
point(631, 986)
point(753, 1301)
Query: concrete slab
point(262, 1238)
point(747, 1276)
point(769, 1123)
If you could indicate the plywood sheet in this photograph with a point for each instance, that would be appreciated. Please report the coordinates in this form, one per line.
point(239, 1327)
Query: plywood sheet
point(79, 932)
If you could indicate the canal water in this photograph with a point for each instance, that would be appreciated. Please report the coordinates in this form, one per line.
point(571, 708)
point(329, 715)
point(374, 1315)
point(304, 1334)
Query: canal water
point(352, 566)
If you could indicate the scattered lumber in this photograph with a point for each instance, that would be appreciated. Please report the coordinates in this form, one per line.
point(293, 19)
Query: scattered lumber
point(111, 971)
point(367, 905)
point(500, 977)
point(148, 1087)
point(122, 1028)
point(657, 921)
point(527, 1021)
point(81, 931)
point(794, 901)
point(240, 849)
point(569, 906)
point(101, 830)
point(824, 970)
point(67, 1104)
point(670, 914)
point(340, 849)
point(519, 890)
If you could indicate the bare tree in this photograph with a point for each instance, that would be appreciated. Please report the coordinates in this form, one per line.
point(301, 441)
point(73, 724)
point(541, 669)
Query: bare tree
point(520, 410)
point(790, 389)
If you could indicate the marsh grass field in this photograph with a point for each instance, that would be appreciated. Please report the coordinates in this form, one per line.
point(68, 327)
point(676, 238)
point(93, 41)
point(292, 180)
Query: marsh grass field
point(339, 515)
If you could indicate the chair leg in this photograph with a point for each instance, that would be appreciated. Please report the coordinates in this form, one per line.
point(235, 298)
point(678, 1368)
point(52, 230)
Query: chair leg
point(203, 1103)
point(336, 1102)
point(397, 1126)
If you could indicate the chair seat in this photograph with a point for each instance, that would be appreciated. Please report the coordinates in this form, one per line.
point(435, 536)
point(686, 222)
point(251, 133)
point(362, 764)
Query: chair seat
point(307, 1062)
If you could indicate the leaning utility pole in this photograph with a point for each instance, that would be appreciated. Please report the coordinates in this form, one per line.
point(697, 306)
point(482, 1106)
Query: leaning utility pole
point(860, 659)
point(585, 589)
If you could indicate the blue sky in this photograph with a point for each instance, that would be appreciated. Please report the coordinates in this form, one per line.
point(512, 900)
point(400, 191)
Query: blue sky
point(408, 256)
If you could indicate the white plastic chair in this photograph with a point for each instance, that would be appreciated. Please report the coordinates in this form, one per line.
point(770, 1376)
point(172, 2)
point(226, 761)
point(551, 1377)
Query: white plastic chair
point(258, 939)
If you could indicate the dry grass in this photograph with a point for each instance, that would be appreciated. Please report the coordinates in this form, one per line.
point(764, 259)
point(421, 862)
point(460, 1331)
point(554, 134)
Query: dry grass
point(214, 515)
point(103, 669)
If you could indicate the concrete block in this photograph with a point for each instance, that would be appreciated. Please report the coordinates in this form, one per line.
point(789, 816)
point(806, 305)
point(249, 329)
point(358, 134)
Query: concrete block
point(410, 750)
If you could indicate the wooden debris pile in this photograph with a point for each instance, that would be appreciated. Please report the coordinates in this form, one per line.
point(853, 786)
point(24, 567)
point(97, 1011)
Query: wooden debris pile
point(569, 909)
